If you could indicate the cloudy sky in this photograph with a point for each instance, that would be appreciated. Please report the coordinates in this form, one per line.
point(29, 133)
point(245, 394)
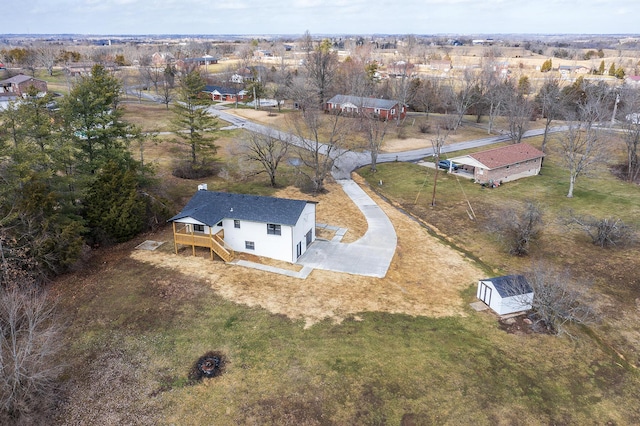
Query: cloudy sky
point(323, 17)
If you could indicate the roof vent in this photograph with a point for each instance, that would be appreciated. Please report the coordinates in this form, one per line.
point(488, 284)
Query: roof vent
point(202, 187)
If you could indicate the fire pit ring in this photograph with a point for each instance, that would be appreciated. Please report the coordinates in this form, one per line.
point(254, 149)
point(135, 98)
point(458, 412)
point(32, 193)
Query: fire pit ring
point(208, 365)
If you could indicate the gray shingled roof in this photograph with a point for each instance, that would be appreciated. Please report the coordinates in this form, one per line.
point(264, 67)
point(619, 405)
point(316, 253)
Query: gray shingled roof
point(211, 207)
point(17, 79)
point(363, 102)
point(221, 90)
point(510, 285)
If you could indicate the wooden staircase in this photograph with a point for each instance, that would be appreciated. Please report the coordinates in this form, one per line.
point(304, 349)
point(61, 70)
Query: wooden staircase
point(214, 242)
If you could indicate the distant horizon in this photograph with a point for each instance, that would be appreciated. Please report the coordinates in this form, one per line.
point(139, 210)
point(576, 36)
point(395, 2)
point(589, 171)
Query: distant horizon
point(353, 17)
point(315, 35)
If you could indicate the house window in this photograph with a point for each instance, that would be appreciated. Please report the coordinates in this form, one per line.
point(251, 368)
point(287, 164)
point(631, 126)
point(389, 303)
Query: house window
point(249, 245)
point(393, 111)
point(198, 228)
point(273, 229)
point(309, 236)
point(236, 223)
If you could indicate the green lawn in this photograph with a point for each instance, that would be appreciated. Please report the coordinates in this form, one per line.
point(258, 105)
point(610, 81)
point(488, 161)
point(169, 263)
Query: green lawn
point(377, 370)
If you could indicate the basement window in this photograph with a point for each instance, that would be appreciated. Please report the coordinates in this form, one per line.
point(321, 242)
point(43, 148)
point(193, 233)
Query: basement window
point(236, 223)
point(249, 245)
point(273, 229)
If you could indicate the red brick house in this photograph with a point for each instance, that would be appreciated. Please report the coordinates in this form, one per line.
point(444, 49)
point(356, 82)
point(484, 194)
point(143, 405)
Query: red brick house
point(384, 109)
point(219, 93)
point(503, 164)
point(20, 84)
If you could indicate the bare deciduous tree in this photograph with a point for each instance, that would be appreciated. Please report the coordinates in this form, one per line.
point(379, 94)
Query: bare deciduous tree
point(29, 342)
point(375, 130)
point(321, 65)
point(550, 103)
point(580, 150)
point(605, 232)
point(464, 98)
point(518, 110)
point(558, 300)
point(320, 139)
point(518, 228)
point(631, 126)
point(266, 150)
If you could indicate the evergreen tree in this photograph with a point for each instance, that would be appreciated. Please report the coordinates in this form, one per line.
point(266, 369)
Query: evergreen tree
point(115, 210)
point(612, 70)
point(546, 66)
point(93, 120)
point(620, 73)
point(601, 68)
point(195, 128)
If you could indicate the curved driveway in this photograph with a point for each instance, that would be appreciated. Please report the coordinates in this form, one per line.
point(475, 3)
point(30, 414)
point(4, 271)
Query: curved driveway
point(371, 255)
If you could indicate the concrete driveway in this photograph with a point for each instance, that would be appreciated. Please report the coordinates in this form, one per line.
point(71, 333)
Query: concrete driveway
point(370, 255)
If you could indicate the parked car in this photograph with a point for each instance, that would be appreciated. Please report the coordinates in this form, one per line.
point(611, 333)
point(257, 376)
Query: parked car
point(447, 164)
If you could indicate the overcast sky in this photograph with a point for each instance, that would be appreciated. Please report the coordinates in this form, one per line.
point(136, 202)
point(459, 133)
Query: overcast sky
point(322, 17)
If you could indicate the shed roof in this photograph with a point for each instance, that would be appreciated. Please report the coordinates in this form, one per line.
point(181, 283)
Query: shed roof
point(211, 207)
point(507, 155)
point(363, 102)
point(511, 285)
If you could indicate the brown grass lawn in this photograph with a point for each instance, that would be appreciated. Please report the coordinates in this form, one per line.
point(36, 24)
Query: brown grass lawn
point(328, 295)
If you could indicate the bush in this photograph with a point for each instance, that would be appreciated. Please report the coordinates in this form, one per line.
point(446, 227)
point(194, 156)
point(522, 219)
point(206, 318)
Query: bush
point(189, 170)
point(424, 128)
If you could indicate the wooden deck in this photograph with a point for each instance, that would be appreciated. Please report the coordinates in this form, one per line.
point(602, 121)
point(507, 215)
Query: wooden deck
point(214, 242)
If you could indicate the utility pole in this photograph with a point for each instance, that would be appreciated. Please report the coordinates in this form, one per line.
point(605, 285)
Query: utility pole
point(615, 109)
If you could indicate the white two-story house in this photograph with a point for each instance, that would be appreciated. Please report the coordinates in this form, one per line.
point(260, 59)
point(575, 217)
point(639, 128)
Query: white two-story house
point(277, 228)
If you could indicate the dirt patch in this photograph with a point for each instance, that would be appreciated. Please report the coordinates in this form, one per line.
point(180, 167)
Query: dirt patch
point(516, 325)
point(260, 116)
point(425, 278)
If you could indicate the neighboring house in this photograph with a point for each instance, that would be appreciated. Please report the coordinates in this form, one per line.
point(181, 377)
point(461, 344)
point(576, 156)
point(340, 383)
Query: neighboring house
point(400, 69)
point(507, 294)
point(84, 69)
point(503, 164)
point(633, 80)
point(219, 93)
point(250, 73)
point(225, 223)
point(263, 54)
point(186, 63)
point(6, 99)
point(440, 65)
point(162, 59)
point(385, 109)
point(567, 70)
point(19, 85)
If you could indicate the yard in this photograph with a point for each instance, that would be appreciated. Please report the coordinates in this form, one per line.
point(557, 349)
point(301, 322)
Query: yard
point(340, 349)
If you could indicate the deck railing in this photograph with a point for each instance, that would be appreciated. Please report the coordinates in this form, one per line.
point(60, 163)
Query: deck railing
point(214, 242)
